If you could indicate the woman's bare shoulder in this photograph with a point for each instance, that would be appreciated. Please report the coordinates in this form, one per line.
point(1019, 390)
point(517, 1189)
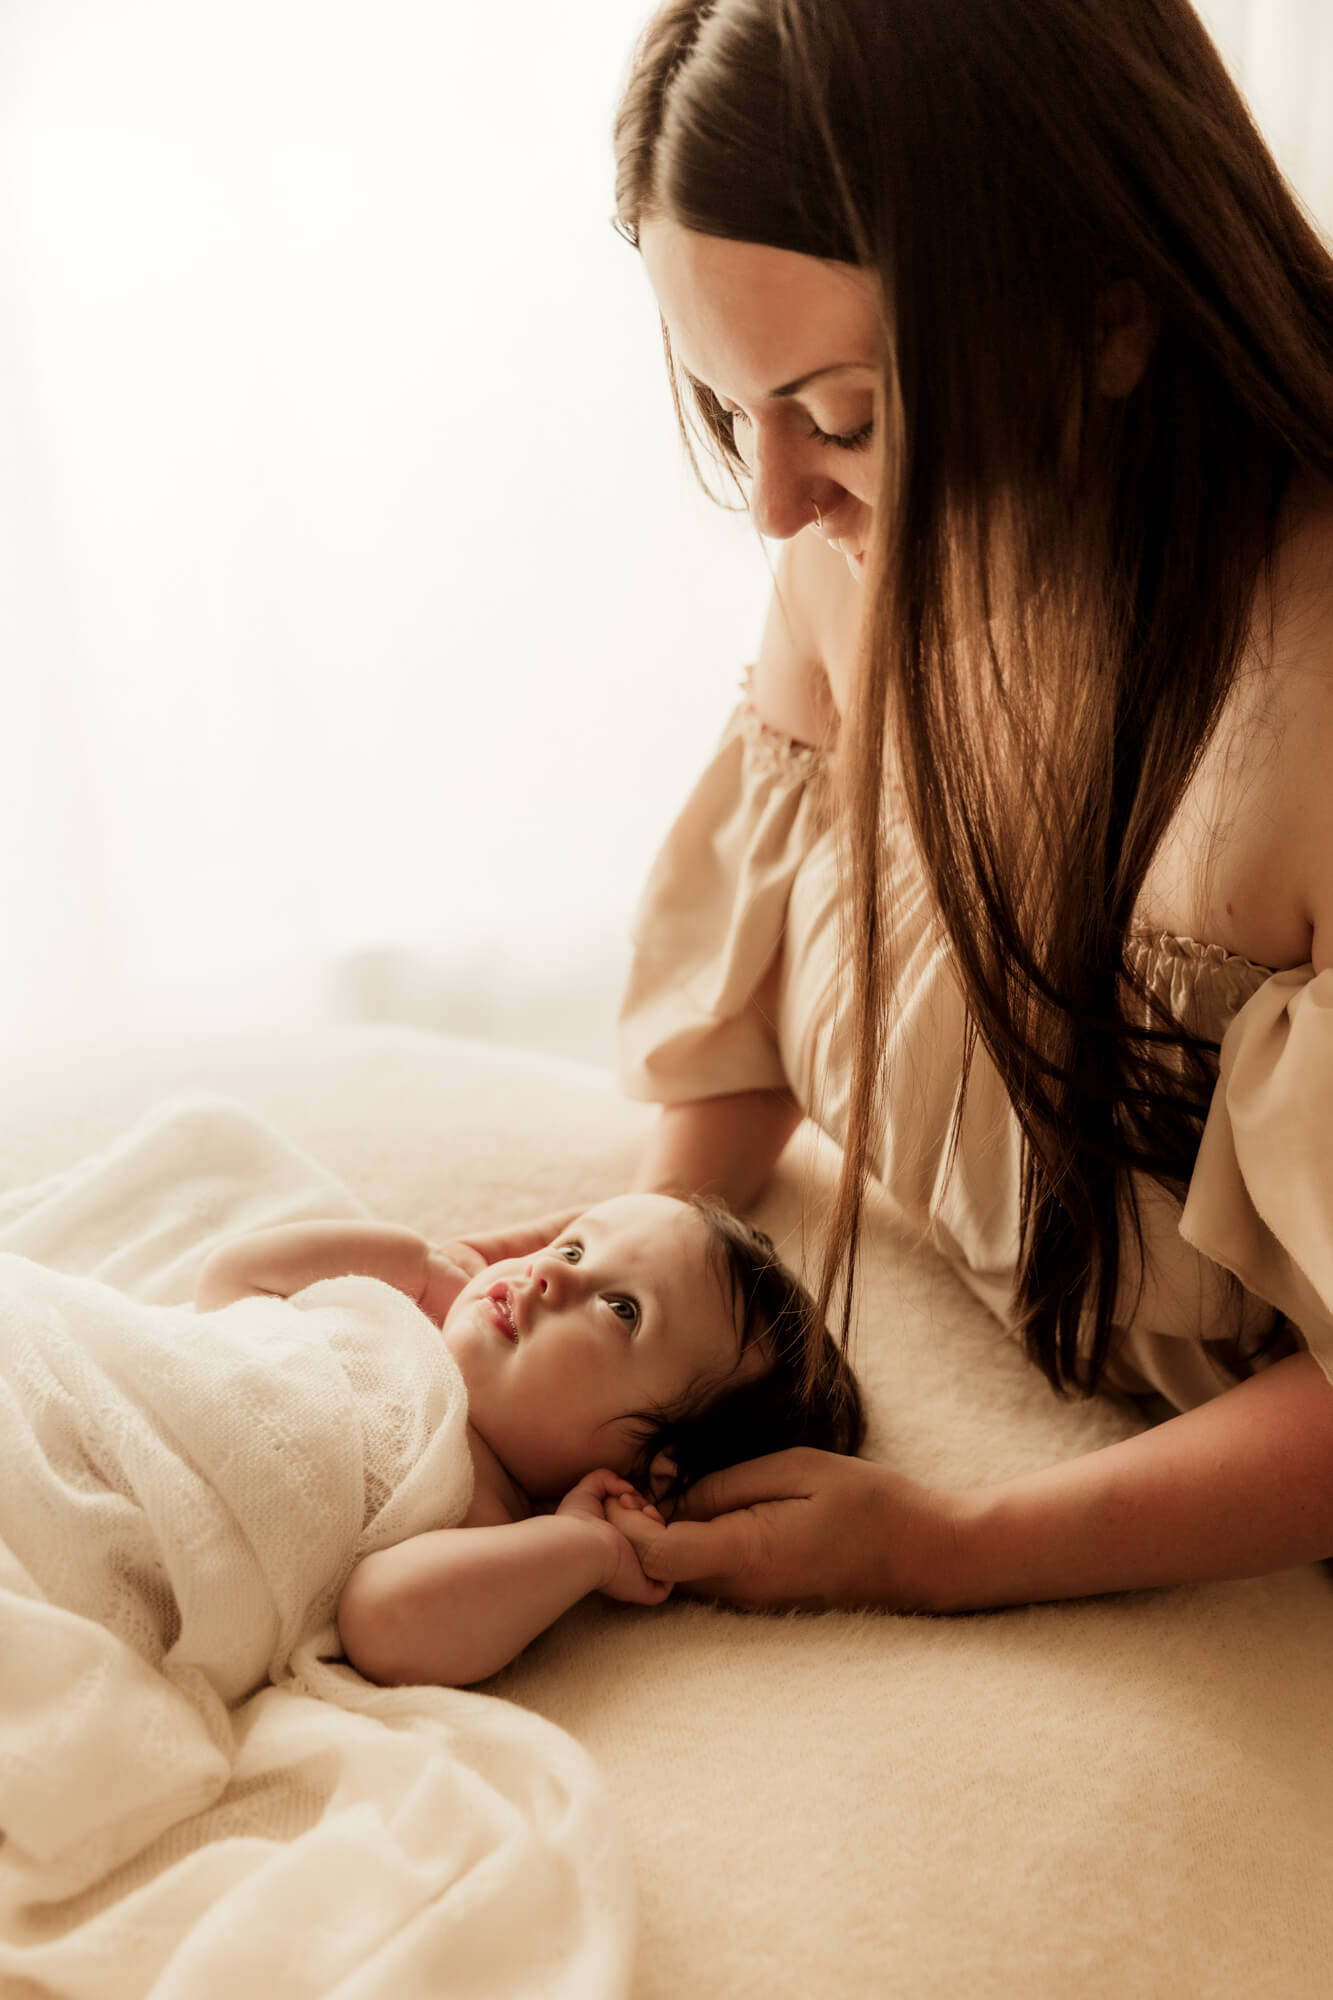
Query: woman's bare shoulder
point(803, 669)
point(1248, 860)
point(1300, 779)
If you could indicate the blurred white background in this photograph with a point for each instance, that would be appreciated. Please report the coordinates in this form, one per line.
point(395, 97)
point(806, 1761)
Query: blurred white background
point(361, 625)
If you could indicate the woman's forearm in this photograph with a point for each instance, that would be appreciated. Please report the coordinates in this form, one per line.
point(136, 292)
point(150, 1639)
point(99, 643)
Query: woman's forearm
point(455, 1605)
point(1239, 1487)
point(723, 1146)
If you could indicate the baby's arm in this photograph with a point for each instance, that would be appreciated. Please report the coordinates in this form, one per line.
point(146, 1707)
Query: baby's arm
point(455, 1605)
point(285, 1259)
point(292, 1255)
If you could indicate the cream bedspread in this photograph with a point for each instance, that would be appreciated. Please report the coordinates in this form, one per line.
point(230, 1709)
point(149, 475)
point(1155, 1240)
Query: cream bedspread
point(195, 1800)
point(1125, 1799)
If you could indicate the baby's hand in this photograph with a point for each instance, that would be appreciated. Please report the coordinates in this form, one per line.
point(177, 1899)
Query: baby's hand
point(446, 1275)
point(602, 1497)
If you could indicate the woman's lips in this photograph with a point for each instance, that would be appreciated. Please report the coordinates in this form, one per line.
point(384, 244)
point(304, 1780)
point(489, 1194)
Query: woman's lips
point(857, 556)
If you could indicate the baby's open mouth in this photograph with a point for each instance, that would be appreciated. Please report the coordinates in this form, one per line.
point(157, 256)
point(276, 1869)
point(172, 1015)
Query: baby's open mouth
point(501, 1302)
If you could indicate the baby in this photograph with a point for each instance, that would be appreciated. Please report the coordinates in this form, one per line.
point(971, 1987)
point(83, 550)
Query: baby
point(637, 1347)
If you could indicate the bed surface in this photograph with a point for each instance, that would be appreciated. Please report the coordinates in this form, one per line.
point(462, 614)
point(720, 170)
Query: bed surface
point(1130, 1795)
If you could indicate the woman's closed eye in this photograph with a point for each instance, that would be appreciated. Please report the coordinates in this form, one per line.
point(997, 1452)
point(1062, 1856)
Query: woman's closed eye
point(842, 441)
point(852, 441)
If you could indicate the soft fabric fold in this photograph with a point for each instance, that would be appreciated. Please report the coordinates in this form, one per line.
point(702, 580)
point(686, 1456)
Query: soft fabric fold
point(196, 1799)
point(697, 1014)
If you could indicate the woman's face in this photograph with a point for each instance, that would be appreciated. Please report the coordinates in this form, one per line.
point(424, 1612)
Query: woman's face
point(789, 345)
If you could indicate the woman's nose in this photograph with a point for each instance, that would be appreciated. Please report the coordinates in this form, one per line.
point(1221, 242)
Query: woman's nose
point(785, 496)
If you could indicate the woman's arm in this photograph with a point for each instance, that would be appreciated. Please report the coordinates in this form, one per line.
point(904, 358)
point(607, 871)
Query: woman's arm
point(728, 1145)
point(455, 1605)
point(1239, 1487)
point(723, 1146)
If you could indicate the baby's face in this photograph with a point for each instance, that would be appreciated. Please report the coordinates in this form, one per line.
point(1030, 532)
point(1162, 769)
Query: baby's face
point(627, 1309)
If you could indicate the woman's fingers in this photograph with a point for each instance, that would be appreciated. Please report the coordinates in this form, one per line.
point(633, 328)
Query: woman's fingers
point(783, 1475)
point(520, 1239)
point(800, 1530)
point(701, 1554)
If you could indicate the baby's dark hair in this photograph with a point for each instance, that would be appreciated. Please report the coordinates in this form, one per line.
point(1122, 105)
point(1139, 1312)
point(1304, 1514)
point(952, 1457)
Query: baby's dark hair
point(808, 1395)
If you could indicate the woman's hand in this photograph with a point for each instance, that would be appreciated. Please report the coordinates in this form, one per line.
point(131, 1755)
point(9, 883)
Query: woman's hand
point(799, 1530)
point(450, 1266)
point(604, 1499)
point(474, 1253)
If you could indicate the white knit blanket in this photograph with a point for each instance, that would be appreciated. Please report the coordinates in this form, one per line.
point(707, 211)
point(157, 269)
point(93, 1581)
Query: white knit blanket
point(196, 1799)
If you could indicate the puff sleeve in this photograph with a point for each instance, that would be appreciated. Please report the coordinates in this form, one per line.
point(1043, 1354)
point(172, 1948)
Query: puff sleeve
point(696, 1019)
point(1261, 1198)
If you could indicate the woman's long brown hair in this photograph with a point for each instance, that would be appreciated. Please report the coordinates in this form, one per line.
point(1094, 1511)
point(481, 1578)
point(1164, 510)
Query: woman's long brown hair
point(1061, 592)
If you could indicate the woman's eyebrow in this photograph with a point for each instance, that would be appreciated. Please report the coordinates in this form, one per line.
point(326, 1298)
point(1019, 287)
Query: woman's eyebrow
point(793, 388)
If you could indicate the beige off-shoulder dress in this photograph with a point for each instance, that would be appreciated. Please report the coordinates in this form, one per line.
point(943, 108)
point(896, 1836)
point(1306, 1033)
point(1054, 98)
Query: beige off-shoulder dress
point(733, 986)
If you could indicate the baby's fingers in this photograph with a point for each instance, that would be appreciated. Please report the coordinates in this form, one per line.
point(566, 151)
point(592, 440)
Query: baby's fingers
point(627, 1500)
point(605, 1484)
point(711, 1557)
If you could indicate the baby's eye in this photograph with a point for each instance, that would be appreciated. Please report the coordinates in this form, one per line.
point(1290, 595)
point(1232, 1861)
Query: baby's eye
point(571, 1252)
point(624, 1309)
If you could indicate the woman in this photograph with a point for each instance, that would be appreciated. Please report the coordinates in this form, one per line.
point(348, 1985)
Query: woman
point(1004, 322)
